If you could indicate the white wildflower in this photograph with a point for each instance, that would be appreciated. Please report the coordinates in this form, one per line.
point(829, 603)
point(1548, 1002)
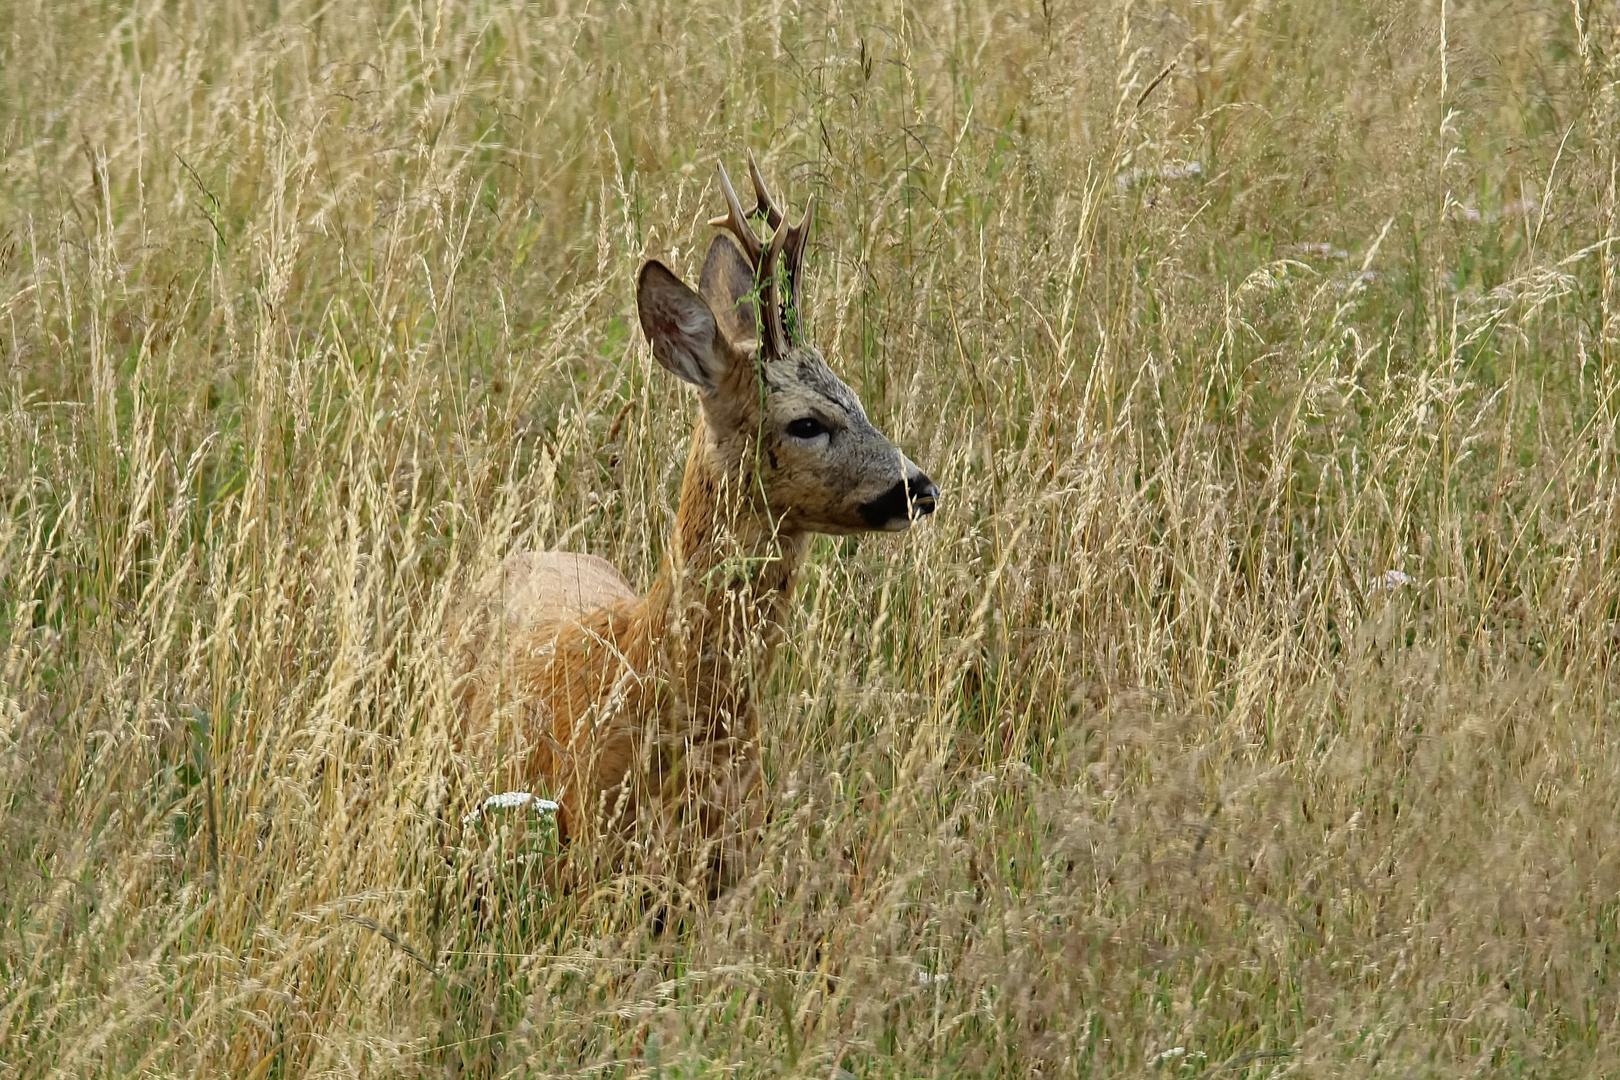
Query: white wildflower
point(1390, 580)
point(1176, 170)
point(1356, 281)
point(1322, 251)
point(511, 800)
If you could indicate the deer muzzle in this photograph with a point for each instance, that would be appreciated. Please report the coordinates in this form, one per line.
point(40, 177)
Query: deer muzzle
point(914, 497)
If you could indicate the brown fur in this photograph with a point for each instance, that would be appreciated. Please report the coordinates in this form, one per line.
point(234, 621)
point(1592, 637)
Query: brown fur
point(637, 714)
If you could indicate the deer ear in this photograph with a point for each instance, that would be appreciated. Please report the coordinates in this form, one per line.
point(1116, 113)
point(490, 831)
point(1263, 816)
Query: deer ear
point(681, 328)
point(727, 283)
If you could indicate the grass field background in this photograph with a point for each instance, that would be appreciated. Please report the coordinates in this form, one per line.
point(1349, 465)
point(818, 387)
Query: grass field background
point(1246, 711)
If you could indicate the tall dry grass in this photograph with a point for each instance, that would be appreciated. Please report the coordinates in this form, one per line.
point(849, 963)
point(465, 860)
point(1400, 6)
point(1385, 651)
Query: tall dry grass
point(1245, 712)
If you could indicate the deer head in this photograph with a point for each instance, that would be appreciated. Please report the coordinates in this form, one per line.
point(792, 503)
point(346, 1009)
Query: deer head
point(774, 414)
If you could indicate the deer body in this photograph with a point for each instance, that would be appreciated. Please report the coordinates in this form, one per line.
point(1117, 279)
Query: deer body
point(637, 713)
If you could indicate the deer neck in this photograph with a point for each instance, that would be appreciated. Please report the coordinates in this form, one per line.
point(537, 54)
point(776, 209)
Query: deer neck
point(720, 603)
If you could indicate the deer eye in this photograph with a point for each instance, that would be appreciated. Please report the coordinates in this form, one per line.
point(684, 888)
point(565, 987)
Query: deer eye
point(806, 427)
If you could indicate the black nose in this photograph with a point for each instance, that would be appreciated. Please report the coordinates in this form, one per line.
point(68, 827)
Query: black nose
point(923, 495)
point(902, 504)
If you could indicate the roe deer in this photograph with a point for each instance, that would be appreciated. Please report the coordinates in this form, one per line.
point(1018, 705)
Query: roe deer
point(636, 713)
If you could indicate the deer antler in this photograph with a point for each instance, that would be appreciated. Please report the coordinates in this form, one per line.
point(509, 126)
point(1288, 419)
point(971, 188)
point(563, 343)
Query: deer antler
point(762, 196)
point(786, 242)
point(793, 261)
point(735, 220)
point(775, 332)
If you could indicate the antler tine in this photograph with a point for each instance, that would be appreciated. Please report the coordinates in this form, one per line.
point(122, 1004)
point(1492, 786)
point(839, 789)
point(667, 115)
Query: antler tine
point(735, 220)
point(773, 212)
point(793, 260)
point(775, 333)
